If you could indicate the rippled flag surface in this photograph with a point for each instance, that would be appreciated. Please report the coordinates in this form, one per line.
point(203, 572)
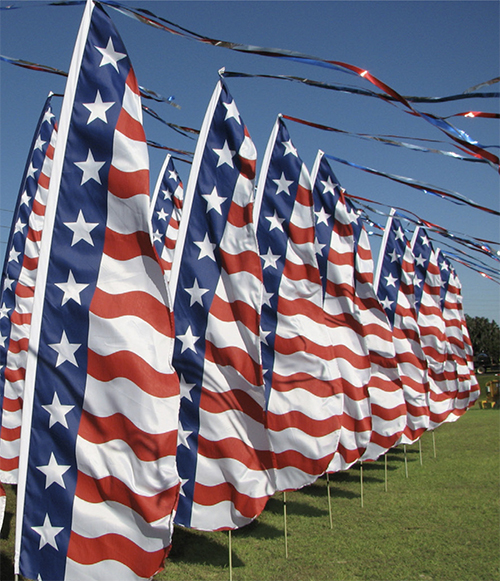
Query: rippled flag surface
point(18, 287)
point(98, 482)
point(224, 455)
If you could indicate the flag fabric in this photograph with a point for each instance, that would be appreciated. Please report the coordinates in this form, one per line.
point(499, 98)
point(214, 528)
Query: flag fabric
point(223, 457)
point(18, 285)
point(387, 404)
point(303, 394)
point(422, 249)
point(394, 284)
point(97, 479)
point(432, 327)
point(166, 212)
point(337, 261)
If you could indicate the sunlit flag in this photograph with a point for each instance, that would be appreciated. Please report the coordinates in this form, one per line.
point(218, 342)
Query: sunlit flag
point(166, 212)
point(18, 287)
point(223, 456)
point(97, 478)
point(394, 285)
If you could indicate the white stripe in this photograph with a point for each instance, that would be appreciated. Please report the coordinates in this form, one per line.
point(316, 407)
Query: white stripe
point(102, 571)
point(286, 365)
point(299, 399)
point(129, 155)
point(127, 216)
point(210, 518)
point(132, 104)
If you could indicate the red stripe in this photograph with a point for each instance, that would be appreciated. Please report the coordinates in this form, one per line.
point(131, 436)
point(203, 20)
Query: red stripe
point(9, 464)
point(34, 235)
point(301, 344)
point(25, 292)
point(294, 459)
point(19, 345)
point(247, 261)
point(388, 414)
point(238, 450)
point(302, 272)
point(356, 425)
point(30, 263)
point(10, 434)
point(43, 181)
point(237, 359)
point(14, 375)
point(315, 386)
point(237, 311)
point(302, 307)
point(151, 508)
point(12, 404)
point(301, 235)
point(132, 367)
point(127, 246)
point(128, 184)
point(147, 447)
point(135, 303)
point(116, 548)
point(248, 506)
point(130, 127)
point(340, 258)
point(240, 216)
point(232, 400)
point(350, 456)
point(304, 423)
point(304, 197)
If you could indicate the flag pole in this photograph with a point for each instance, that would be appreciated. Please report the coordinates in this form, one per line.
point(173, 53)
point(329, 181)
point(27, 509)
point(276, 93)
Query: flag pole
point(284, 521)
point(361, 482)
point(329, 499)
point(420, 451)
point(406, 461)
point(434, 443)
point(230, 557)
point(385, 472)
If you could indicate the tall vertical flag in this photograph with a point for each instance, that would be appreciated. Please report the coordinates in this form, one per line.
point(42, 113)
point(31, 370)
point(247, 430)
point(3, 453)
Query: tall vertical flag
point(166, 212)
point(97, 479)
point(432, 326)
point(18, 287)
point(336, 253)
point(223, 457)
point(303, 395)
point(394, 284)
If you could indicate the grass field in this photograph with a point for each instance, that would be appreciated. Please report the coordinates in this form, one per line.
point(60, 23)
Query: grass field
point(440, 523)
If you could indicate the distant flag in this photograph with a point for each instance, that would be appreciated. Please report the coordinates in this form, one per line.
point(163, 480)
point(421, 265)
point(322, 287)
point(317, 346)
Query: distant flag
point(394, 285)
point(97, 481)
point(422, 249)
point(336, 253)
point(303, 394)
point(223, 457)
point(388, 407)
point(432, 329)
point(166, 212)
point(18, 287)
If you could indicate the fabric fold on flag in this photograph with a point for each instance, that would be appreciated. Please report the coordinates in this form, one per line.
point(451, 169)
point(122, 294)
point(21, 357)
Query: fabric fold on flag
point(303, 394)
point(395, 288)
point(98, 483)
point(18, 287)
point(166, 213)
point(224, 456)
point(336, 250)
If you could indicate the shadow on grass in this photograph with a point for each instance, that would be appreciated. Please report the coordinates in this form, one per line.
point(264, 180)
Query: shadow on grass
point(6, 568)
point(196, 547)
point(258, 530)
point(275, 505)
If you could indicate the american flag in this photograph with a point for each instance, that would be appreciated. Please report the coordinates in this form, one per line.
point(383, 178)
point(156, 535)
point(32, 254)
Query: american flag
point(166, 212)
point(388, 407)
point(337, 260)
point(395, 289)
point(223, 456)
point(18, 286)
point(304, 402)
point(432, 328)
point(97, 480)
point(422, 249)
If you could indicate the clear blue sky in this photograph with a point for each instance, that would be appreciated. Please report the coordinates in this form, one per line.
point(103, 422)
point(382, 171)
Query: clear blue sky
point(424, 48)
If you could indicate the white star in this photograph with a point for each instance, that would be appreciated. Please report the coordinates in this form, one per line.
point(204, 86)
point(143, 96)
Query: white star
point(57, 412)
point(196, 293)
point(71, 289)
point(214, 201)
point(54, 472)
point(90, 168)
point(417, 282)
point(110, 56)
point(322, 216)
point(329, 186)
point(318, 248)
point(391, 281)
point(81, 229)
point(269, 259)
point(173, 175)
point(39, 143)
point(48, 533)
point(48, 116)
point(183, 436)
point(2, 341)
point(420, 260)
point(185, 388)
point(386, 303)
point(65, 350)
point(264, 335)
point(394, 256)
point(289, 148)
point(206, 248)
point(275, 221)
point(399, 234)
point(425, 240)
point(166, 194)
point(98, 109)
point(184, 481)
point(225, 155)
point(156, 236)
point(25, 198)
point(232, 112)
point(7, 283)
point(19, 227)
point(266, 298)
point(188, 340)
point(283, 184)
point(162, 215)
point(444, 265)
point(4, 311)
point(13, 255)
point(31, 171)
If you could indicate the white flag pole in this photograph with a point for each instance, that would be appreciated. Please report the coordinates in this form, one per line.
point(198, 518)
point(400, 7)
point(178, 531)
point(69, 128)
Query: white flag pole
point(285, 524)
point(361, 482)
point(329, 499)
point(230, 557)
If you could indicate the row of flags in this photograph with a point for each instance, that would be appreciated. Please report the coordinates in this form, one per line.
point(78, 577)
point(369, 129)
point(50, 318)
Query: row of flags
point(180, 357)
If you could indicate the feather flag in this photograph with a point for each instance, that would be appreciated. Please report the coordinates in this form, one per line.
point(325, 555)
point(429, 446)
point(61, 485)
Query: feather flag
point(394, 284)
point(336, 253)
point(97, 480)
point(166, 212)
point(18, 285)
point(223, 456)
point(304, 402)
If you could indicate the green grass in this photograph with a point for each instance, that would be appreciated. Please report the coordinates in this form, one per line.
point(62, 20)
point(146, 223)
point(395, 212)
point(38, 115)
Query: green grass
point(441, 523)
